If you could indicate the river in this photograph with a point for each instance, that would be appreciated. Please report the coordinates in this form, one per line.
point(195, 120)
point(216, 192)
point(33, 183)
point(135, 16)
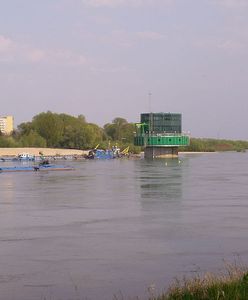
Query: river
point(118, 227)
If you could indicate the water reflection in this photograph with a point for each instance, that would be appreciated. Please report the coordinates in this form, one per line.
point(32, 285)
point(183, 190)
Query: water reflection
point(160, 180)
point(7, 187)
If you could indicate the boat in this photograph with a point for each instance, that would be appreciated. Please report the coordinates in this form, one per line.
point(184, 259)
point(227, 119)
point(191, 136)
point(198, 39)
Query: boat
point(25, 156)
point(36, 168)
point(104, 154)
point(100, 154)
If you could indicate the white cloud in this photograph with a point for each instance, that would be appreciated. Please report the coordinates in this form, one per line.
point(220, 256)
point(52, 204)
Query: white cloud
point(231, 45)
point(125, 39)
point(98, 3)
point(109, 69)
point(66, 57)
point(115, 3)
point(150, 35)
point(7, 49)
point(5, 44)
point(11, 51)
point(233, 3)
point(228, 45)
point(36, 55)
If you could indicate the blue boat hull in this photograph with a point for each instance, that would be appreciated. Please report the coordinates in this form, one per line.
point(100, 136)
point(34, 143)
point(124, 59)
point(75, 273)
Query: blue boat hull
point(100, 154)
point(35, 168)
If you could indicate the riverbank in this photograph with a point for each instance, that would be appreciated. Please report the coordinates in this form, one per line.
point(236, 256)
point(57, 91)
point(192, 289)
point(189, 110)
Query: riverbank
point(232, 286)
point(44, 151)
point(195, 152)
point(61, 152)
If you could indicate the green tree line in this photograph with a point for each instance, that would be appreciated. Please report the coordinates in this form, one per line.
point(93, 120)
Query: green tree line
point(54, 130)
point(49, 129)
point(212, 145)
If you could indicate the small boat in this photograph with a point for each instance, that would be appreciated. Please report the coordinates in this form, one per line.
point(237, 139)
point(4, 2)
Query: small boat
point(25, 156)
point(36, 168)
point(100, 154)
point(107, 154)
point(104, 154)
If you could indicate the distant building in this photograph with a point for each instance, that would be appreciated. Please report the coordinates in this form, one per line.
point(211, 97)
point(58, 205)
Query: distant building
point(6, 124)
point(160, 134)
point(162, 122)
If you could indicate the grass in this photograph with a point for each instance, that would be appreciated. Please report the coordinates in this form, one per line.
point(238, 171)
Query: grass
point(233, 285)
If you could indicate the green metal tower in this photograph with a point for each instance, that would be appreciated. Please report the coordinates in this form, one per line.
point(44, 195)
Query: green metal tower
point(160, 134)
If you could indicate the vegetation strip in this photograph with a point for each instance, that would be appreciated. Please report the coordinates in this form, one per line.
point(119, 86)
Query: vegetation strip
point(230, 286)
point(54, 130)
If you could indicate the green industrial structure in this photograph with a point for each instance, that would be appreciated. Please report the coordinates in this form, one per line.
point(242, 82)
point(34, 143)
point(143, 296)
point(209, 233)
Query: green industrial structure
point(160, 134)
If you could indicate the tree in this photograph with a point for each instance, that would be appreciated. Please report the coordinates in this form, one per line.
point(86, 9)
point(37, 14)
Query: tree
point(25, 128)
point(119, 130)
point(7, 142)
point(82, 118)
point(50, 127)
point(33, 139)
point(127, 132)
point(96, 134)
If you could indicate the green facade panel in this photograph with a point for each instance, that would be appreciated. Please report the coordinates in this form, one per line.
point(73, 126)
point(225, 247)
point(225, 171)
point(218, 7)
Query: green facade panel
point(162, 122)
point(162, 141)
point(139, 141)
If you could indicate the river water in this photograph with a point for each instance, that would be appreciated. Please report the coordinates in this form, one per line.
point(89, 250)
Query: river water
point(118, 227)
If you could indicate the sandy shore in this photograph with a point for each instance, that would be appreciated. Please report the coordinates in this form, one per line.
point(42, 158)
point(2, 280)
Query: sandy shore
point(57, 151)
point(45, 151)
point(196, 152)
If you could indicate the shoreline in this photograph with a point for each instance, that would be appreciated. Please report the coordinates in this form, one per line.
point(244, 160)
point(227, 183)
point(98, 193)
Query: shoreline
point(46, 151)
point(61, 152)
point(196, 152)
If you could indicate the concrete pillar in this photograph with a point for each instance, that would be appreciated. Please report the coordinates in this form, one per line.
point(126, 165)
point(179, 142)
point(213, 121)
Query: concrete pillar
point(161, 152)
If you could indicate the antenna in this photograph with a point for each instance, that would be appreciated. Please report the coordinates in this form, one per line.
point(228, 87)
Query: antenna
point(150, 114)
point(149, 99)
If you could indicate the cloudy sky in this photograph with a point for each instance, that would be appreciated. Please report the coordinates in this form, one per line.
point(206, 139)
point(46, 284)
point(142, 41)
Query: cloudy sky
point(101, 58)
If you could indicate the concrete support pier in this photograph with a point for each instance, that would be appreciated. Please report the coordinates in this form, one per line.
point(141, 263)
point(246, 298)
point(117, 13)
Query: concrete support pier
point(161, 152)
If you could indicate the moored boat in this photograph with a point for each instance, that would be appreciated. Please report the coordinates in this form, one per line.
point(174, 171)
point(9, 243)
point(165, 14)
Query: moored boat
point(25, 156)
point(36, 168)
point(107, 154)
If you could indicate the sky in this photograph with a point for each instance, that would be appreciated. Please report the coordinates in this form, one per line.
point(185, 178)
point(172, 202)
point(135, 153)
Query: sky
point(102, 59)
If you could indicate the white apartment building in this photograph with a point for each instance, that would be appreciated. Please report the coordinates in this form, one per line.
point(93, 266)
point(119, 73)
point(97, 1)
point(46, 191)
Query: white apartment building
point(6, 124)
